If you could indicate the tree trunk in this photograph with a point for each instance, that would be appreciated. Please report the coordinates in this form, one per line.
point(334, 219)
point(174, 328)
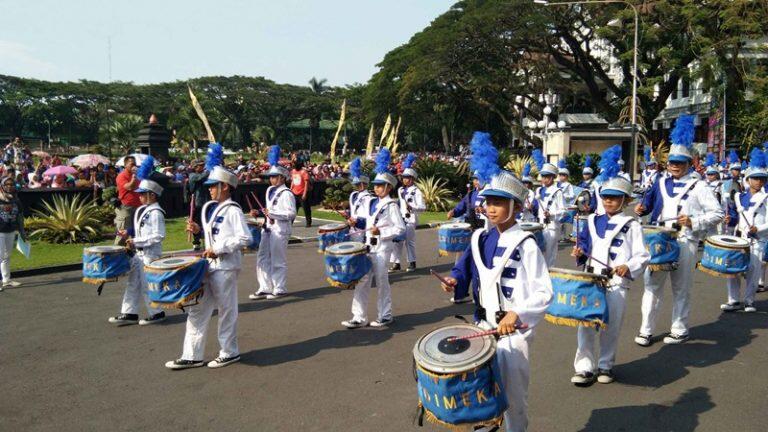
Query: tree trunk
point(446, 140)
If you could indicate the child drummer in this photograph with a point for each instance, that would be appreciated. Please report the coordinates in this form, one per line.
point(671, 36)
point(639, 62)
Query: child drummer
point(359, 197)
point(147, 243)
point(748, 210)
point(226, 234)
point(615, 240)
point(511, 284)
point(411, 202)
point(382, 222)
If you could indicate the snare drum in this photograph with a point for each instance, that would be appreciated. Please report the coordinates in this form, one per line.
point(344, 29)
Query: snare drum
point(578, 300)
point(331, 234)
point(458, 382)
point(537, 230)
point(453, 238)
point(254, 226)
point(346, 263)
point(105, 264)
point(175, 282)
point(724, 256)
point(662, 244)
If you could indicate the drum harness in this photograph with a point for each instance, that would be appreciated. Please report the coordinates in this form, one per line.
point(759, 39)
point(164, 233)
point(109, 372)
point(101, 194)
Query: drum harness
point(549, 201)
point(215, 212)
point(738, 232)
point(143, 219)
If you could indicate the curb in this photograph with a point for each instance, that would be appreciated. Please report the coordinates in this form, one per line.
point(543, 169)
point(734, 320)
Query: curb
point(40, 271)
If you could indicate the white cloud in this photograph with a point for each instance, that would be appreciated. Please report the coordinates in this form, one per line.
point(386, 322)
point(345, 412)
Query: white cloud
point(19, 60)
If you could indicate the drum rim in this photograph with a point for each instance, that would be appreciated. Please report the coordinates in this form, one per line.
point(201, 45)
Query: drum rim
point(455, 225)
point(192, 260)
point(577, 273)
point(111, 249)
point(353, 252)
point(338, 226)
point(714, 240)
point(426, 363)
point(659, 228)
point(531, 226)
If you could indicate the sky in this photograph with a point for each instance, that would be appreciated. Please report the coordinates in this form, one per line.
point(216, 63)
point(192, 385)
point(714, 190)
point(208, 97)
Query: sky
point(287, 41)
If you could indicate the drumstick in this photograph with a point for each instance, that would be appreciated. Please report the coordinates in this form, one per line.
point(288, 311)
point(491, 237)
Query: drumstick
point(607, 266)
point(250, 204)
point(521, 326)
point(191, 216)
point(442, 279)
point(261, 207)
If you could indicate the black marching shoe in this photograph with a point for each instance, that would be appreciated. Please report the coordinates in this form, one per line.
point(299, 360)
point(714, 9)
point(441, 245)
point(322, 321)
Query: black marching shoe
point(394, 268)
point(180, 364)
point(643, 340)
point(673, 339)
point(583, 379)
point(605, 376)
point(124, 319)
point(220, 362)
point(411, 267)
point(154, 319)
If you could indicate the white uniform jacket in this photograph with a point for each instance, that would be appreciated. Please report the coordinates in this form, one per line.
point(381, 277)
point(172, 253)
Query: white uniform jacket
point(751, 211)
point(226, 234)
point(149, 231)
point(357, 203)
point(411, 203)
point(282, 210)
point(383, 213)
point(549, 199)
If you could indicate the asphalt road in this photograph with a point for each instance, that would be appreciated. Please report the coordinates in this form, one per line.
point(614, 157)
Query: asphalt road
point(64, 368)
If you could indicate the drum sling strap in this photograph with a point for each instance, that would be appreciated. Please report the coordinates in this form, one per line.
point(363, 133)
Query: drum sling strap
point(276, 197)
point(740, 209)
point(683, 196)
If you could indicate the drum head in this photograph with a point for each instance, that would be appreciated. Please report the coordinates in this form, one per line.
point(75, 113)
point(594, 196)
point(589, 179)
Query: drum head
point(331, 227)
point(105, 249)
point(250, 220)
point(531, 226)
point(576, 273)
point(437, 353)
point(657, 228)
point(727, 241)
point(172, 262)
point(456, 226)
point(346, 248)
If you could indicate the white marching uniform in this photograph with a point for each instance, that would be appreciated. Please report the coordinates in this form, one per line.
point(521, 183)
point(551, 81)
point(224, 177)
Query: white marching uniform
point(569, 196)
point(550, 199)
point(357, 207)
point(527, 214)
point(756, 215)
point(621, 244)
point(647, 178)
point(517, 281)
point(271, 265)
point(385, 214)
point(149, 232)
point(624, 175)
point(226, 234)
point(692, 198)
point(411, 203)
point(716, 186)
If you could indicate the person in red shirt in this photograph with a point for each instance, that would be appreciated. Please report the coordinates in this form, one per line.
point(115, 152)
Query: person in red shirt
point(127, 182)
point(300, 186)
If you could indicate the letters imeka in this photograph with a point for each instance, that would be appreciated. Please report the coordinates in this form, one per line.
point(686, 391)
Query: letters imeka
point(477, 397)
point(573, 300)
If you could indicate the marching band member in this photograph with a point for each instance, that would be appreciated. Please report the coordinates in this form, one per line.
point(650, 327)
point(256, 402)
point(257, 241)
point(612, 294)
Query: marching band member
point(411, 202)
point(148, 233)
point(677, 201)
point(731, 186)
point(650, 173)
point(471, 206)
point(548, 206)
point(11, 224)
point(568, 196)
point(621, 171)
point(616, 240)
point(226, 234)
point(587, 173)
point(280, 211)
point(751, 215)
point(382, 222)
point(714, 183)
point(527, 215)
point(511, 284)
point(359, 197)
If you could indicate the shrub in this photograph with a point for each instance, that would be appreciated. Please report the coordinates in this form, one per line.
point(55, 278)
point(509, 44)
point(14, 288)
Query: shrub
point(455, 177)
point(66, 221)
point(336, 194)
point(435, 193)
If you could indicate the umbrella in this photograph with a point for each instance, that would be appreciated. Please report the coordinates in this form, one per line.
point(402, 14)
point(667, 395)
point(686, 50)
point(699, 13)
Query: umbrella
point(41, 154)
point(59, 169)
point(89, 160)
point(138, 156)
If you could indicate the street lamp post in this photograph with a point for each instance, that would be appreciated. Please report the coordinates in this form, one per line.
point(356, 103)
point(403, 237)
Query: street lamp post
point(550, 102)
point(634, 56)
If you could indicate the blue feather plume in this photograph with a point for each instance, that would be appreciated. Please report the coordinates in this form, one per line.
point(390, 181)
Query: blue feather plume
point(710, 159)
point(683, 132)
point(527, 169)
point(733, 157)
point(485, 157)
point(146, 168)
point(215, 156)
point(409, 160)
point(273, 156)
point(561, 163)
point(757, 159)
point(538, 157)
point(588, 161)
point(723, 163)
point(382, 161)
point(647, 154)
point(355, 168)
point(609, 163)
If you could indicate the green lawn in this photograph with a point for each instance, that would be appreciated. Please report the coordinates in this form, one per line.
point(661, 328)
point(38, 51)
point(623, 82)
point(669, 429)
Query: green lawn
point(46, 254)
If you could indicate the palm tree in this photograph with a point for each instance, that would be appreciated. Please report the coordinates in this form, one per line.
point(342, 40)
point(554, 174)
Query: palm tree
point(121, 130)
point(318, 87)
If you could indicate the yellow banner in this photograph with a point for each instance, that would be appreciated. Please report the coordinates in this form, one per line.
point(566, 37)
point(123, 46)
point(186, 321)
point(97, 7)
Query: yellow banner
point(392, 141)
point(369, 148)
point(338, 130)
point(385, 131)
point(201, 114)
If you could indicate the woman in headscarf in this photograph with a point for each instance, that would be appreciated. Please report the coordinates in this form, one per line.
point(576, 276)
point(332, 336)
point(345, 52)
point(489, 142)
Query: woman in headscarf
point(11, 224)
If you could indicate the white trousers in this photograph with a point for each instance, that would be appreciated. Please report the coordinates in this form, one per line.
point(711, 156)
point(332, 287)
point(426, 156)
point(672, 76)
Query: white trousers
point(220, 293)
point(409, 243)
point(681, 291)
point(512, 360)
point(271, 266)
point(551, 238)
point(379, 271)
point(609, 338)
point(136, 289)
point(754, 272)
point(7, 243)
